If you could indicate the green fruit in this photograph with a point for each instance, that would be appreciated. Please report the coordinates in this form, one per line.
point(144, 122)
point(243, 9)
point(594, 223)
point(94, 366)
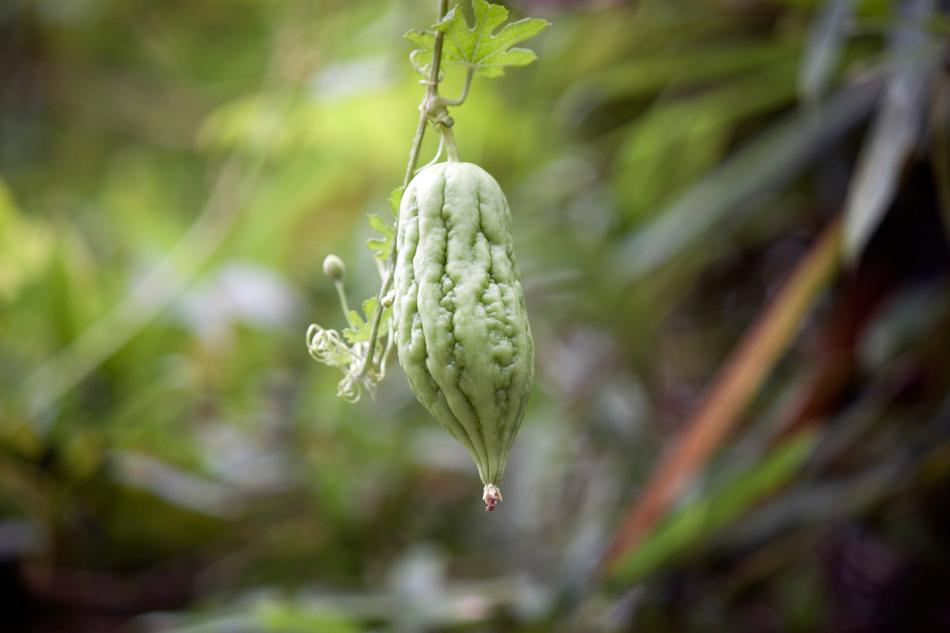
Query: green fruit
point(462, 329)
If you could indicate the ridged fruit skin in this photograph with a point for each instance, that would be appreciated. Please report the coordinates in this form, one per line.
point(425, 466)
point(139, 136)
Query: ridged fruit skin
point(462, 329)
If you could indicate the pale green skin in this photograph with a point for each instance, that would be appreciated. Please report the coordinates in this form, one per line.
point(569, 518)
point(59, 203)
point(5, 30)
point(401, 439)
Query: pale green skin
point(462, 329)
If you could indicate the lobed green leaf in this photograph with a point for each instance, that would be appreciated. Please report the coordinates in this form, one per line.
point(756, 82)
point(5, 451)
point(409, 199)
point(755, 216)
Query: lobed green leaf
point(478, 47)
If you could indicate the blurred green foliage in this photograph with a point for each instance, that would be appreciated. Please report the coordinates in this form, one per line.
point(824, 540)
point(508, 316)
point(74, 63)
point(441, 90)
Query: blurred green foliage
point(173, 174)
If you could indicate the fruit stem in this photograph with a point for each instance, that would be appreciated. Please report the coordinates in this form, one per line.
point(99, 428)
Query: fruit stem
point(448, 138)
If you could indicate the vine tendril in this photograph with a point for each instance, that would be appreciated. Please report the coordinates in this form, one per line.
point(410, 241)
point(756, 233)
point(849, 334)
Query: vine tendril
point(362, 364)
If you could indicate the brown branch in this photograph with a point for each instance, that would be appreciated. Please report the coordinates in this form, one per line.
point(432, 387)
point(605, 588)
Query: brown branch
point(737, 383)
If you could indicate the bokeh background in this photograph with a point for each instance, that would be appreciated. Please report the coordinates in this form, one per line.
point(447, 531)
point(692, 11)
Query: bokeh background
point(172, 175)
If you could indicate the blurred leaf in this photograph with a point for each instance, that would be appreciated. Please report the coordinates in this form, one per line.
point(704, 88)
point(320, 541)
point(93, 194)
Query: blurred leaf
point(677, 69)
point(701, 518)
point(739, 379)
point(763, 166)
point(939, 25)
point(826, 39)
point(914, 55)
point(382, 247)
point(25, 246)
point(335, 131)
point(478, 48)
point(282, 617)
point(902, 323)
point(677, 142)
point(176, 486)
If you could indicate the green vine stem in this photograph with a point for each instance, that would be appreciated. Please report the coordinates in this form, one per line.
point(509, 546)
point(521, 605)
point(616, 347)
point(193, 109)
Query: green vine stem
point(461, 99)
point(432, 108)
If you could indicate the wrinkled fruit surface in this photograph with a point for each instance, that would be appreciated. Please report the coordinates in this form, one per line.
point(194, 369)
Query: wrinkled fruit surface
point(462, 330)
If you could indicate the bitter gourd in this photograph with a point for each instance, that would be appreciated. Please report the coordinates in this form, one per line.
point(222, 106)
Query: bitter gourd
point(462, 330)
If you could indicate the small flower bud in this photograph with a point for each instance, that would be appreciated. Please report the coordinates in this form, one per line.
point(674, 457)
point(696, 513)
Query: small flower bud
point(334, 268)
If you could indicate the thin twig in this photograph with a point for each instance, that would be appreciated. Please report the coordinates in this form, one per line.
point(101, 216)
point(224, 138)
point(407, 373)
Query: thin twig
point(741, 377)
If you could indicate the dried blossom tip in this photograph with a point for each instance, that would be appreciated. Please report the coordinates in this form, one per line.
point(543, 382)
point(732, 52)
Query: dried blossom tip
point(334, 268)
point(491, 496)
